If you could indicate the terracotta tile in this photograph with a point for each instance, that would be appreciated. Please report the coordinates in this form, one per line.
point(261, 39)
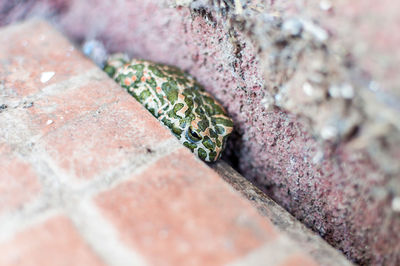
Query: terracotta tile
point(104, 139)
point(51, 112)
point(53, 242)
point(179, 212)
point(19, 183)
point(31, 49)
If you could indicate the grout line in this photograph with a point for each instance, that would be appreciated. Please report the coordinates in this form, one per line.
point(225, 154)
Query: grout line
point(58, 195)
point(52, 176)
point(93, 226)
point(57, 186)
point(130, 168)
point(13, 224)
point(71, 83)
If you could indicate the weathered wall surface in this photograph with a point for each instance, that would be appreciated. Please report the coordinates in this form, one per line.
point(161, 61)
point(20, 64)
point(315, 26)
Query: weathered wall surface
point(312, 87)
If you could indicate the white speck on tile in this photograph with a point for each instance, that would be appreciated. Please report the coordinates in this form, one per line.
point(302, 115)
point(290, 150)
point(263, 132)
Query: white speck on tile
point(42, 37)
point(49, 122)
point(46, 76)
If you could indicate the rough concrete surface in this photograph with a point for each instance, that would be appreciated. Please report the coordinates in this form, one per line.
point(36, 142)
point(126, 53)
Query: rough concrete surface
point(311, 85)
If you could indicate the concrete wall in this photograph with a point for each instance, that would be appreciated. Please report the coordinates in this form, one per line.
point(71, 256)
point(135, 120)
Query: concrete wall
point(311, 85)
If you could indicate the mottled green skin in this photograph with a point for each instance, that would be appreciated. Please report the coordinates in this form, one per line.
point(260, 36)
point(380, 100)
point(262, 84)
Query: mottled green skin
point(178, 101)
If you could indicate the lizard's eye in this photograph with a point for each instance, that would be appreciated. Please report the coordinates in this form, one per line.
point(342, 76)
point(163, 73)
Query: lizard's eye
point(192, 135)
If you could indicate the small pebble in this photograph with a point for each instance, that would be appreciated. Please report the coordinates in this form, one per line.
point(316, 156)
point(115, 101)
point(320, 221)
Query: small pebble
point(345, 91)
point(293, 27)
point(329, 132)
point(308, 89)
point(96, 51)
point(319, 33)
